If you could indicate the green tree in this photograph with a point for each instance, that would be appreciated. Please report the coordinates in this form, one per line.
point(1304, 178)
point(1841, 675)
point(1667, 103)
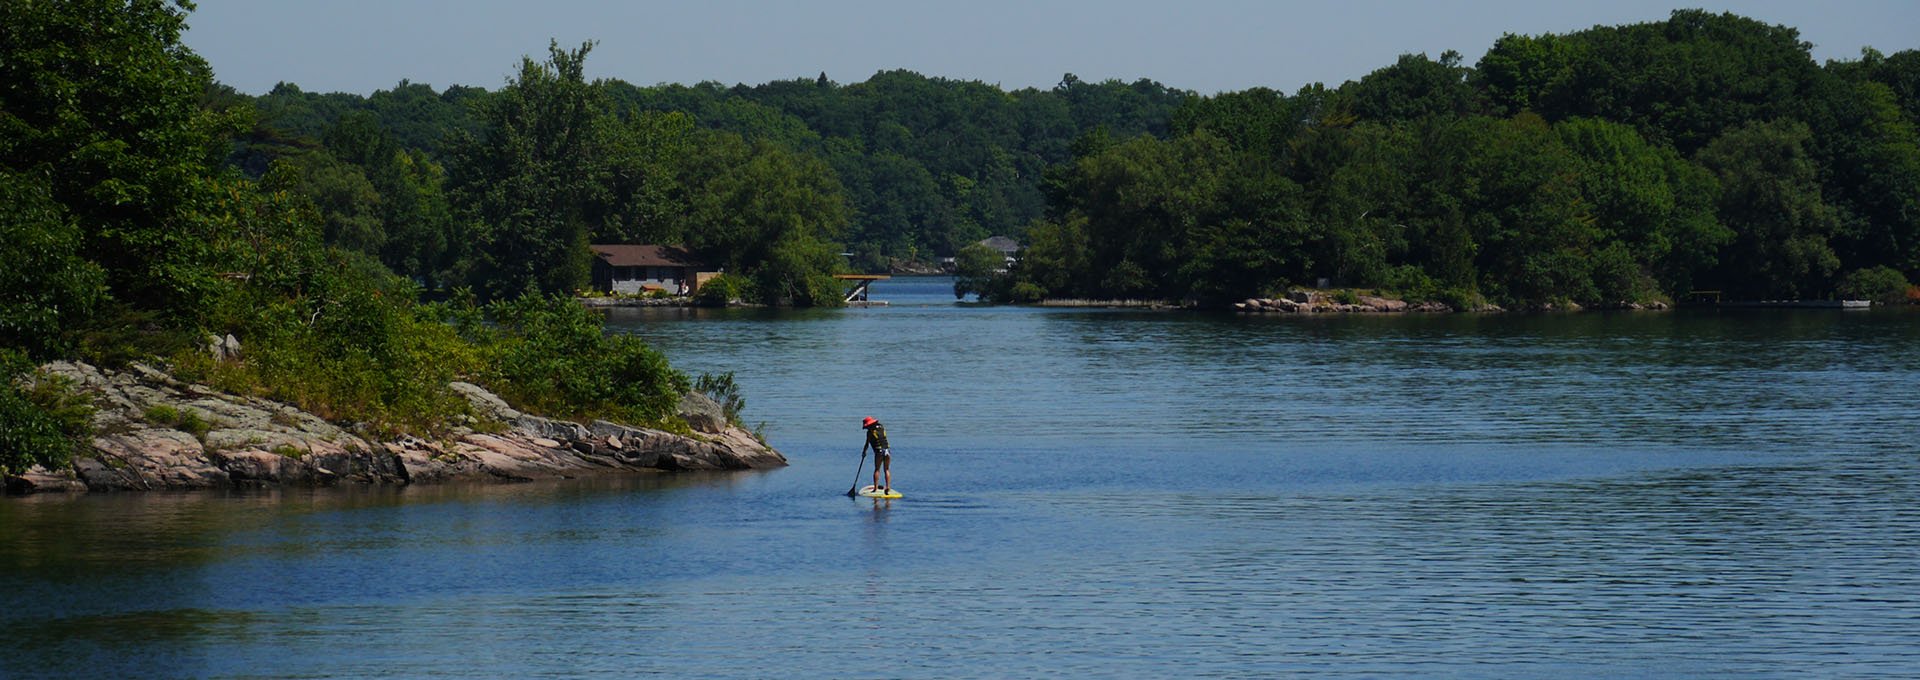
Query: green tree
point(767, 213)
point(1868, 157)
point(1521, 72)
point(1683, 82)
point(1414, 87)
point(48, 289)
point(351, 210)
point(1883, 285)
point(102, 99)
point(974, 270)
point(1054, 262)
point(1535, 233)
point(1770, 198)
point(641, 197)
point(1649, 201)
point(525, 180)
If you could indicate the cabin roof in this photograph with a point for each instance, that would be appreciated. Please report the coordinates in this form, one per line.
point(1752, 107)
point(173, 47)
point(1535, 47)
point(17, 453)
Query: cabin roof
point(644, 256)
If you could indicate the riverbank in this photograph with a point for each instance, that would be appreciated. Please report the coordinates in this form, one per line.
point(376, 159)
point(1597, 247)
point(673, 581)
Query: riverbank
point(633, 301)
point(1318, 302)
point(1352, 302)
point(155, 432)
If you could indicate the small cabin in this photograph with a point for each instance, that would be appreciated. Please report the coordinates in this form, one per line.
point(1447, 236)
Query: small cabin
point(632, 269)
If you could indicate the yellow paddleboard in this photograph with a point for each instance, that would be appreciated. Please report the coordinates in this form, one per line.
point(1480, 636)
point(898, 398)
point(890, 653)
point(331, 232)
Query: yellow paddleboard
point(871, 492)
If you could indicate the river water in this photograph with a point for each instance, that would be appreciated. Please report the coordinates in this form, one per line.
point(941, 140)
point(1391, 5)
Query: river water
point(1092, 493)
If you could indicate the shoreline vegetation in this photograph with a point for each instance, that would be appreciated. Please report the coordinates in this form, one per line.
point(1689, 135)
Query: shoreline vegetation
point(1618, 165)
point(151, 431)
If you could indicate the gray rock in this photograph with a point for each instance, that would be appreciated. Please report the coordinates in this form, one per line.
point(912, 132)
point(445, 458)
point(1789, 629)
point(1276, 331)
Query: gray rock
point(223, 348)
point(38, 479)
point(702, 413)
point(485, 404)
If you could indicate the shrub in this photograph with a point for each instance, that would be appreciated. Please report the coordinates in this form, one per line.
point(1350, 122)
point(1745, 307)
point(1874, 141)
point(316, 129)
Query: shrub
point(1883, 285)
point(1460, 299)
point(162, 414)
point(349, 345)
point(724, 392)
point(721, 290)
point(1027, 292)
point(43, 423)
point(186, 421)
point(1412, 284)
point(28, 435)
point(552, 356)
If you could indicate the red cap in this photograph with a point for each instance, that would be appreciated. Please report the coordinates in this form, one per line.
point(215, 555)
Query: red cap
point(868, 422)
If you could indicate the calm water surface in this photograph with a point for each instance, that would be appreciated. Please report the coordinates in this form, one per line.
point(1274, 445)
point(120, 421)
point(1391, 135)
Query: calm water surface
point(1092, 493)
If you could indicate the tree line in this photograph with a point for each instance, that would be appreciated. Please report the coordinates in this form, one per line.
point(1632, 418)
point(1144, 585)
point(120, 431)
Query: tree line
point(772, 182)
point(1616, 164)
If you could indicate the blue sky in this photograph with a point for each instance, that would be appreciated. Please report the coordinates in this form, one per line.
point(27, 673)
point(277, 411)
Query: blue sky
point(1204, 45)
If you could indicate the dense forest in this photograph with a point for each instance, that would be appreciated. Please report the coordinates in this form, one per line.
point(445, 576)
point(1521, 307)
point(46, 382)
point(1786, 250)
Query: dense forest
point(1616, 164)
point(898, 169)
point(147, 205)
point(1611, 165)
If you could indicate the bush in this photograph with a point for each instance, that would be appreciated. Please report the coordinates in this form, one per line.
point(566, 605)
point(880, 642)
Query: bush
point(1412, 284)
point(28, 435)
point(40, 424)
point(348, 344)
point(721, 290)
point(1882, 285)
point(552, 356)
point(724, 392)
point(189, 422)
point(1460, 299)
point(1618, 278)
point(1026, 292)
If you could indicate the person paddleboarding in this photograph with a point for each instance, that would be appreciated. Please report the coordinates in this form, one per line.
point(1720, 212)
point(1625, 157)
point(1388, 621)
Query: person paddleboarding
point(882, 455)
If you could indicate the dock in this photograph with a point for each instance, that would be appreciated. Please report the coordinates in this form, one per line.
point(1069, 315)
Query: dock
point(1797, 304)
point(862, 287)
point(1713, 298)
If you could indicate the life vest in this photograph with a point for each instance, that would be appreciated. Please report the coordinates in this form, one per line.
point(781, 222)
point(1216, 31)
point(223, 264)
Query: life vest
point(877, 437)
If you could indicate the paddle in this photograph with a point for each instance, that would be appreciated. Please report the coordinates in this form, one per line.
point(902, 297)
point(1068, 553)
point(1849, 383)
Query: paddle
point(851, 490)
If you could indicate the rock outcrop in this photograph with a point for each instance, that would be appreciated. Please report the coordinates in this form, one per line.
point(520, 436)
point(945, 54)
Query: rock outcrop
point(1319, 302)
point(1315, 302)
point(155, 432)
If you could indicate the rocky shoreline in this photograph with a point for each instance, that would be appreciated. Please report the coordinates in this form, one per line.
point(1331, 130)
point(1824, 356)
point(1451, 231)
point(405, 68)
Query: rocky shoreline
point(615, 301)
point(1315, 302)
point(1321, 302)
point(154, 432)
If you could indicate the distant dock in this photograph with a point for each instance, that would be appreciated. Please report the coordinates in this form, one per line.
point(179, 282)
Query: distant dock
point(862, 286)
point(1712, 298)
point(1796, 304)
